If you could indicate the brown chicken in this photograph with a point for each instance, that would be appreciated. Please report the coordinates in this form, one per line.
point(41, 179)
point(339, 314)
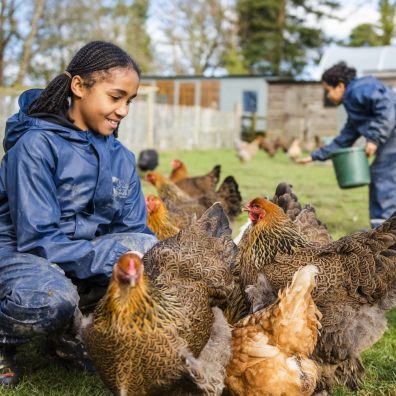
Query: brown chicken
point(354, 283)
point(179, 171)
point(194, 186)
point(268, 146)
point(282, 143)
point(304, 218)
point(271, 347)
point(228, 195)
point(157, 330)
point(158, 218)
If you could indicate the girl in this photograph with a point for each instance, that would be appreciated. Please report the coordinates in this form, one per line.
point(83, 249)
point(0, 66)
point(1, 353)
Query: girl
point(70, 199)
point(371, 109)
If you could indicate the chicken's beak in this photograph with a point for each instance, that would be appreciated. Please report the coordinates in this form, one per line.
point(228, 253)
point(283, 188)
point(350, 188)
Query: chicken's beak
point(246, 208)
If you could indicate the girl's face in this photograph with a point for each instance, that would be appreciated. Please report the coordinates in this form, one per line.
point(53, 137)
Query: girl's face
point(335, 94)
point(100, 108)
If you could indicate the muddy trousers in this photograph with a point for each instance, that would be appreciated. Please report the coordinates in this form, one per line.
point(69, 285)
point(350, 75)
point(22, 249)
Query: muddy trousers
point(382, 198)
point(36, 297)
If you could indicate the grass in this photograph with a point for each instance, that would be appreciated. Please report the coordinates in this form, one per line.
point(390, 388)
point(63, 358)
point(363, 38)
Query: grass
point(344, 211)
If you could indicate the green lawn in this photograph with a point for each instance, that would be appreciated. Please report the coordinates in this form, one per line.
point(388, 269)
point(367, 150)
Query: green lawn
point(344, 211)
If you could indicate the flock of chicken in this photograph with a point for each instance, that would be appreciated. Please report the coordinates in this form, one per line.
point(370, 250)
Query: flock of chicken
point(293, 147)
point(287, 311)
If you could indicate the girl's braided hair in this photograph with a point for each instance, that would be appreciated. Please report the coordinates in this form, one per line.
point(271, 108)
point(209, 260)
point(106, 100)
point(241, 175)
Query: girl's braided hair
point(339, 73)
point(98, 57)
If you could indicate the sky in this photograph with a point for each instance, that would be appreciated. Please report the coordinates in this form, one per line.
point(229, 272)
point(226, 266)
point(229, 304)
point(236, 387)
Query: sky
point(353, 13)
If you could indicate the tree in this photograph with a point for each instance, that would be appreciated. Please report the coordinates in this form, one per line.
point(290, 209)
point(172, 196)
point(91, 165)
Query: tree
point(27, 46)
point(67, 25)
point(368, 34)
point(275, 37)
point(387, 20)
point(198, 36)
point(365, 35)
point(130, 23)
point(8, 31)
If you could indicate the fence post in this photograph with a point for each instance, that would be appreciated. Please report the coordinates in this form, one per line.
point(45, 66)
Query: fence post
point(150, 119)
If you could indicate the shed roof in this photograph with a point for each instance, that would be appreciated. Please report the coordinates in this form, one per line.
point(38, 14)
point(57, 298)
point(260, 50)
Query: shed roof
point(366, 60)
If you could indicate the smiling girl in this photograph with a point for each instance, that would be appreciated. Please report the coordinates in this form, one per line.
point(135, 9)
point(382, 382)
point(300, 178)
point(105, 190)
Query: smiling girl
point(70, 199)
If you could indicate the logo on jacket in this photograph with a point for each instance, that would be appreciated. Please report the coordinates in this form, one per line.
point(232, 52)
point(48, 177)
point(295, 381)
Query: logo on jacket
point(120, 188)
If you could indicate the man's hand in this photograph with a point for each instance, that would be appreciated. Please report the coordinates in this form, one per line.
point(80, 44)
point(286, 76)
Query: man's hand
point(370, 149)
point(305, 160)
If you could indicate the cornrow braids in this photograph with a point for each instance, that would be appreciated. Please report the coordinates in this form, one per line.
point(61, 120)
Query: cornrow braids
point(338, 73)
point(95, 57)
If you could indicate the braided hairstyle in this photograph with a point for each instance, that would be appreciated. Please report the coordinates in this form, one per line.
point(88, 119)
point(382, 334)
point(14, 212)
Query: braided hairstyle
point(92, 61)
point(339, 73)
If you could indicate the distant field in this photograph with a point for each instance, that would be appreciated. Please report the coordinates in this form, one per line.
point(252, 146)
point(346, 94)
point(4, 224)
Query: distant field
point(344, 211)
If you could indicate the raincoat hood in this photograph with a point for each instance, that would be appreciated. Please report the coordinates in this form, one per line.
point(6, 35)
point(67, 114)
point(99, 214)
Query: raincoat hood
point(21, 122)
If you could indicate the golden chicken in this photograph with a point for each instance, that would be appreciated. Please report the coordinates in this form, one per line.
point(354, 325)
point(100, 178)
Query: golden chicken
point(271, 348)
point(356, 275)
point(157, 330)
point(194, 186)
point(158, 218)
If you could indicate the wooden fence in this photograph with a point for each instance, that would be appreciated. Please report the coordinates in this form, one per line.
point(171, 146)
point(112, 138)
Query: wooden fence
point(160, 126)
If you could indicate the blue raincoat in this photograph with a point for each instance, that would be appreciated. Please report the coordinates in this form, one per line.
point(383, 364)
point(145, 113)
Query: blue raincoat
point(70, 203)
point(371, 109)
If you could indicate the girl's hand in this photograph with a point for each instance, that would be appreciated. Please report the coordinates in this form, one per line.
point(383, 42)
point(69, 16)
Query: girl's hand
point(304, 160)
point(370, 149)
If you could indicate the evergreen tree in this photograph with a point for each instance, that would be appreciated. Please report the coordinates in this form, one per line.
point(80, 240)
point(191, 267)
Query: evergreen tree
point(365, 35)
point(274, 34)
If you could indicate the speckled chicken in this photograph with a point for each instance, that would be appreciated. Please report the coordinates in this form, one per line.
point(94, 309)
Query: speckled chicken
point(304, 218)
point(157, 330)
point(355, 283)
point(272, 347)
point(194, 186)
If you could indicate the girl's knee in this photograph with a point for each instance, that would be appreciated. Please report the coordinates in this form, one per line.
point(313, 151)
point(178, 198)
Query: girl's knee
point(39, 308)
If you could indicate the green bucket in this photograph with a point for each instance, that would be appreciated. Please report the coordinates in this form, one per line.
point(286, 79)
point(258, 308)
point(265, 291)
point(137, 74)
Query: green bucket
point(351, 167)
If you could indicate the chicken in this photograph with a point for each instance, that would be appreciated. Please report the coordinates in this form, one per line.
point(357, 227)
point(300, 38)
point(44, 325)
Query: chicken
point(294, 151)
point(179, 171)
point(194, 186)
point(269, 146)
point(303, 217)
point(271, 347)
point(354, 284)
point(158, 218)
point(246, 151)
point(157, 330)
point(228, 195)
point(282, 143)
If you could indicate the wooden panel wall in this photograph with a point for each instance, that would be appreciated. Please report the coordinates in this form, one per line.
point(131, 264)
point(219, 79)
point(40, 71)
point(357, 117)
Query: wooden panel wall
point(297, 110)
point(210, 93)
point(166, 91)
point(186, 94)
